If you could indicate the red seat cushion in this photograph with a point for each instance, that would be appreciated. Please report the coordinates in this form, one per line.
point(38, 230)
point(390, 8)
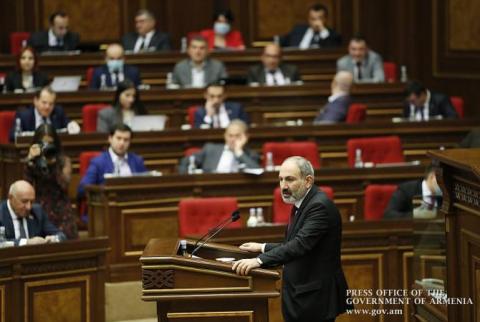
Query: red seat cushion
point(17, 40)
point(282, 150)
point(6, 123)
point(85, 158)
point(356, 113)
point(387, 149)
point(197, 215)
point(282, 210)
point(89, 116)
point(458, 103)
point(191, 114)
point(390, 71)
point(376, 200)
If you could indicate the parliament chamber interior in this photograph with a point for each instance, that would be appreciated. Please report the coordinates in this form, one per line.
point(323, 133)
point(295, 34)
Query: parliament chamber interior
point(144, 143)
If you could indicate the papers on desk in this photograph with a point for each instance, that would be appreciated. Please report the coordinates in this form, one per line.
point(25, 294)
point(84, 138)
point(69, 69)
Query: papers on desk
point(153, 173)
point(254, 171)
point(398, 164)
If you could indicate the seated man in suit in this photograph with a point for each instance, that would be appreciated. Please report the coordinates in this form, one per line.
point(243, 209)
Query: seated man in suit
point(43, 110)
point(146, 38)
point(115, 70)
point(272, 71)
point(224, 158)
point(315, 34)
point(365, 64)
point(217, 113)
point(24, 220)
point(338, 102)
point(198, 70)
point(57, 37)
point(401, 203)
point(116, 160)
point(422, 104)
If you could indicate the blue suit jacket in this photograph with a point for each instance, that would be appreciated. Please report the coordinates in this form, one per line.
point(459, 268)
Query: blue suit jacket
point(27, 119)
point(37, 222)
point(335, 111)
point(129, 71)
point(234, 111)
point(104, 164)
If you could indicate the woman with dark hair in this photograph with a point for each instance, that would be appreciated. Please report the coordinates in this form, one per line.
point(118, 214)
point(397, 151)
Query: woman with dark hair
point(126, 105)
point(222, 36)
point(26, 77)
point(49, 171)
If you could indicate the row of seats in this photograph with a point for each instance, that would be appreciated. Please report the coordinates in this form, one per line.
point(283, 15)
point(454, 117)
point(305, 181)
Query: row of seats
point(197, 215)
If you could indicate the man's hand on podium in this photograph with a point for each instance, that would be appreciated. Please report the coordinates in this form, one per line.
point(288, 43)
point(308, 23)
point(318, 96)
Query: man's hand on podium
point(252, 247)
point(244, 266)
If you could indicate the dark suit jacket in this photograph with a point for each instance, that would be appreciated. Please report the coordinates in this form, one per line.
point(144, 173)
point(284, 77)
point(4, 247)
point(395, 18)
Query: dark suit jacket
point(335, 111)
point(207, 159)
point(295, 36)
point(39, 41)
point(14, 80)
point(104, 164)
point(37, 222)
point(314, 286)
point(160, 41)
point(472, 140)
point(256, 74)
point(440, 104)
point(401, 203)
point(129, 71)
point(234, 111)
point(27, 119)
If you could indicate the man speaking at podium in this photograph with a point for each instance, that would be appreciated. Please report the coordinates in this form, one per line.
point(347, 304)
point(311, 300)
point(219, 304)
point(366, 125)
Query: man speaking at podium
point(314, 286)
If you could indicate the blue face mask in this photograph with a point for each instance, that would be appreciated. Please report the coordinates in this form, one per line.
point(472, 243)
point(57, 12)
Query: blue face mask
point(115, 65)
point(221, 28)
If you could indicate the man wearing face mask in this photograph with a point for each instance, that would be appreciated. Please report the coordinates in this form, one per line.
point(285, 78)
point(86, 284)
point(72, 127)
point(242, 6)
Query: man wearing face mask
point(401, 202)
point(115, 70)
point(222, 36)
point(57, 38)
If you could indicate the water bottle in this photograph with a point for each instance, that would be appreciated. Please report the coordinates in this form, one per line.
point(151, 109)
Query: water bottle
point(269, 166)
point(183, 45)
point(3, 239)
point(103, 82)
point(252, 219)
point(192, 167)
point(260, 218)
point(183, 248)
point(403, 74)
point(169, 81)
point(358, 159)
point(276, 40)
point(18, 129)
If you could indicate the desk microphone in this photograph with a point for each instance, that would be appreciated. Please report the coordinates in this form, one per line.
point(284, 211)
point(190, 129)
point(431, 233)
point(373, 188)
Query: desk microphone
point(215, 230)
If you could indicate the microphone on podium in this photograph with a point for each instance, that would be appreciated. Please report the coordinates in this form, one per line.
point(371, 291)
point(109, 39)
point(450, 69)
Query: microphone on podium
point(212, 232)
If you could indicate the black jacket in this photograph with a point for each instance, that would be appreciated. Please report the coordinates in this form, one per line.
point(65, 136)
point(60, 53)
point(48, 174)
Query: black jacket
point(14, 80)
point(160, 41)
point(256, 74)
point(440, 104)
point(295, 36)
point(401, 202)
point(39, 41)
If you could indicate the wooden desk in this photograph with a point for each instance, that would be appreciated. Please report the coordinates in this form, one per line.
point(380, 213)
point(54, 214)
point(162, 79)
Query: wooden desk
point(53, 282)
point(459, 177)
point(265, 105)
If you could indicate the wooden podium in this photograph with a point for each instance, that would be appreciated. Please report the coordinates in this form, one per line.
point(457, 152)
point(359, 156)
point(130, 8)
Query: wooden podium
point(192, 289)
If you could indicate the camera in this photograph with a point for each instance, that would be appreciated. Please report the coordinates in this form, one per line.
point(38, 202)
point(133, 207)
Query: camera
point(47, 151)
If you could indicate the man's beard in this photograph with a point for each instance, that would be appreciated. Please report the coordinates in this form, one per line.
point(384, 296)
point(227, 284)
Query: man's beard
point(292, 197)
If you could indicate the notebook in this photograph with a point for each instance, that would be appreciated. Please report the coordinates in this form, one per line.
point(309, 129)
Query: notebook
point(142, 123)
point(66, 83)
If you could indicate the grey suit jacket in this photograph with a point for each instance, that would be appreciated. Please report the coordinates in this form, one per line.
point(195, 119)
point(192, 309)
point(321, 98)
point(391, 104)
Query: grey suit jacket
point(182, 72)
point(256, 74)
point(107, 118)
point(372, 67)
point(208, 158)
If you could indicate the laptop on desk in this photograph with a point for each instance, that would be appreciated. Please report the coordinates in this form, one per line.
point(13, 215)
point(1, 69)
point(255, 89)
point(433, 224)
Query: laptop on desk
point(144, 123)
point(66, 83)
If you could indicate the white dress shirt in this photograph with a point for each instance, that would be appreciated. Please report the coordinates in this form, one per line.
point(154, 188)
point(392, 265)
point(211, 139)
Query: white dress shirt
point(120, 165)
point(220, 120)
point(145, 40)
point(39, 119)
point(417, 115)
point(16, 225)
point(307, 38)
point(198, 76)
point(52, 39)
point(277, 78)
point(228, 163)
point(428, 196)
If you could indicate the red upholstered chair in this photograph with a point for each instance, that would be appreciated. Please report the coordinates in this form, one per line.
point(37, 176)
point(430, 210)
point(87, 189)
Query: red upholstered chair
point(387, 149)
point(18, 40)
point(188, 152)
point(356, 113)
point(457, 102)
point(282, 150)
point(377, 197)
point(89, 75)
point(84, 161)
point(390, 71)
point(89, 116)
point(6, 123)
point(197, 215)
point(281, 210)
point(191, 115)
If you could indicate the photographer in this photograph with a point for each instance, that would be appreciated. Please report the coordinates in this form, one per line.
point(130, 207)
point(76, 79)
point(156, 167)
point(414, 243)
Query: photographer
point(49, 171)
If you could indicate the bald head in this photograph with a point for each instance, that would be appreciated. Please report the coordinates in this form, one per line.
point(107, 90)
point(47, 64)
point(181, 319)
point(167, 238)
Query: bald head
point(342, 82)
point(114, 51)
point(21, 196)
point(272, 56)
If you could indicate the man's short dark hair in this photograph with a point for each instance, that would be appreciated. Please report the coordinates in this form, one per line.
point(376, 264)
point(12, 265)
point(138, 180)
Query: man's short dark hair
point(47, 89)
point(358, 38)
point(198, 37)
point(227, 13)
point(318, 7)
point(121, 127)
point(145, 12)
point(59, 13)
point(414, 87)
point(217, 83)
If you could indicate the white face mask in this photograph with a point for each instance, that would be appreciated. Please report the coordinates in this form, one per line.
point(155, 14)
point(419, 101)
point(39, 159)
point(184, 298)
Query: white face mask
point(221, 28)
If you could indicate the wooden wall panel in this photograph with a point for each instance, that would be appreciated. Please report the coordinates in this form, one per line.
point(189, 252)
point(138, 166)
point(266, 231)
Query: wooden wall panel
point(464, 26)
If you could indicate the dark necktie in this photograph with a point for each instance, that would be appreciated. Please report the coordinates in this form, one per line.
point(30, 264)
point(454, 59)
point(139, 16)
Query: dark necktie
point(116, 80)
point(359, 70)
point(315, 43)
point(44, 120)
point(292, 218)
point(23, 234)
point(142, 44)
point(273, 72)
point(59, 42)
